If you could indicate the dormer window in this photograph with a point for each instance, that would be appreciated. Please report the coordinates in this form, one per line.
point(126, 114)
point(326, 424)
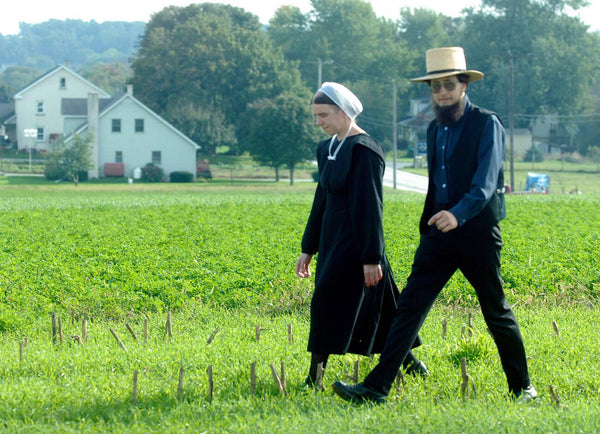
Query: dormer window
point(40, 107)
point(63, 82)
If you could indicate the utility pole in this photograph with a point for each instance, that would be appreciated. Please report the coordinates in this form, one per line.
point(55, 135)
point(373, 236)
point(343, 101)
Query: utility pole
point(511, 123)
point(395, 127)
point(320, 63)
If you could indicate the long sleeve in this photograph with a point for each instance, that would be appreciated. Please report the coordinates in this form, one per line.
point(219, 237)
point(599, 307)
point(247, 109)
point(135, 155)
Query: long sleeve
point(312, 232)
point(485, 180)
point(366, 203)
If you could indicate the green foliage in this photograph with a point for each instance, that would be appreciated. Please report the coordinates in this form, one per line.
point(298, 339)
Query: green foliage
point(593, 153)
point(201, 66)
point(67, 160)
point(136, 250)
point(69, 387)
point(42, 46)
point(111, 77)
point(282, 132)
point(9, 320)
point(152, 173)
point(15, 78)
point(210, 56)
point(181, 176)
point(206, 253)
point(530, 31)
point(206, 126)
point(533, 154)
point(473, 348)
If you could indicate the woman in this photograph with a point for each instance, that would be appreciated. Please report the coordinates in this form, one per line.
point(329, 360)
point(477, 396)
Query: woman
point(355, 293)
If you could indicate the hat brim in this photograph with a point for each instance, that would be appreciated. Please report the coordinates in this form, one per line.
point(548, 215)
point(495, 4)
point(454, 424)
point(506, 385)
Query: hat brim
point(473, 76)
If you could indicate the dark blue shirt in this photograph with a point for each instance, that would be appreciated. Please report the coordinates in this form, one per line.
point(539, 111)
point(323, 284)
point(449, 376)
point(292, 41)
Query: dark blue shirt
point(485, 180)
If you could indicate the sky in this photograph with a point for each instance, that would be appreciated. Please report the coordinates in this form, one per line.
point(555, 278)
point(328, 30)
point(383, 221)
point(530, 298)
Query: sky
point(36, 11)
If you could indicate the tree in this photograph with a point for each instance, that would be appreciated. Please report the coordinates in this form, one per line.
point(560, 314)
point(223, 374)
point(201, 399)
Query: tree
point(348, 43)
point(208, 55)
point(43, 46)
point(593, 153)
point(550, 73)
point(423, 29)
point(15, 78)
point(208, 128)
point(69, 160)
point(282, 132)
point(112, 77)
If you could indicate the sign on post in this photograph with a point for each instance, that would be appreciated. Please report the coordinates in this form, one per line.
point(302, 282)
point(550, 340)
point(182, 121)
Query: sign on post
point(30, 132)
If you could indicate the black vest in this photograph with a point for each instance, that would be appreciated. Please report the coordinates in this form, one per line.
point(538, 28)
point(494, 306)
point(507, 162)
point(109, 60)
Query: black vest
point(462, 165)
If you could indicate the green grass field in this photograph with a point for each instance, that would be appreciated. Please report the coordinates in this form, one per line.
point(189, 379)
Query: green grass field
point(219, 259)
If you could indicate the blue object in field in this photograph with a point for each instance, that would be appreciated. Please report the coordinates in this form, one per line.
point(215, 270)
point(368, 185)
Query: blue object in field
point(537, 183)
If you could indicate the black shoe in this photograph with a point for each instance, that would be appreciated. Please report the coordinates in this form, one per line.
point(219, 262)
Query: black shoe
point(418, 370)
point(310, 384)
point(358, 394)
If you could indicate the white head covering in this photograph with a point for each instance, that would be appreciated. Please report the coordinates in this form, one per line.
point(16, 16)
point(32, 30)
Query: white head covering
point(343, 97)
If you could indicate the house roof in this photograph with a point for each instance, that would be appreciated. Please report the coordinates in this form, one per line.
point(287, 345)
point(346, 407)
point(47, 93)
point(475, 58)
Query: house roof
point(7, 109)
point(78, 106)
point(112, 103)
point(55, 71)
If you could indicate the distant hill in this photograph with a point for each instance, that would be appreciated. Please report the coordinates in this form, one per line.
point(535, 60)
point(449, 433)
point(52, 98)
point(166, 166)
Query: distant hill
point(74, 42)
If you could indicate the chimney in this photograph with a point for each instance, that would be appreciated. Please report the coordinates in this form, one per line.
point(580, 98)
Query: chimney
point(93, 124)
point(130, 89)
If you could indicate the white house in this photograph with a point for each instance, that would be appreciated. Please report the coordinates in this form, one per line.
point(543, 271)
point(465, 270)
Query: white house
point(126, 134)
point(39, 120)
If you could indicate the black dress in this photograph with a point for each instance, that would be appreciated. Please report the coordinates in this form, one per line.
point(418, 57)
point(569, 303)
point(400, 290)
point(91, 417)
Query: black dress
point(345, 228)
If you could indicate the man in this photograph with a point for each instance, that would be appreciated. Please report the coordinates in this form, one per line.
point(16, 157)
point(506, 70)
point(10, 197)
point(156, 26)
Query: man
point(459, 229)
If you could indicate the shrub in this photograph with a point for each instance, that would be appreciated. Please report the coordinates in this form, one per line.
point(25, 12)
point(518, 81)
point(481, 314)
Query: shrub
point(205, 174)
point(181, 176)
point(533, 154)
point(83, 175)
point(54, 172)
point(152, 173)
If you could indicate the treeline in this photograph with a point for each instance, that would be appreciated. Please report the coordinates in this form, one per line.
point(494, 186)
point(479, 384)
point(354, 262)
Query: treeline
point(74, 42)
point(229, 82)
point(101, 52)
point(216, 66)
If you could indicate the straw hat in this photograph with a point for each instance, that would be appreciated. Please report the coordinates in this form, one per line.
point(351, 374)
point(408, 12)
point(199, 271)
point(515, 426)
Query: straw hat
point(446, 62)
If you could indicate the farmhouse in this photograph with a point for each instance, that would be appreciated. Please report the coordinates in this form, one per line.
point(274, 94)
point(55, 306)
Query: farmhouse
point(126, 134)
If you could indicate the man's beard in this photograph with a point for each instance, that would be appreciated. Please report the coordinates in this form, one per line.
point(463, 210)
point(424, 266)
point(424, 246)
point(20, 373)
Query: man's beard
point(449, 114)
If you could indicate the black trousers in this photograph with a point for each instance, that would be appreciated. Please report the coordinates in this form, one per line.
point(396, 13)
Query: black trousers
point(437, 258)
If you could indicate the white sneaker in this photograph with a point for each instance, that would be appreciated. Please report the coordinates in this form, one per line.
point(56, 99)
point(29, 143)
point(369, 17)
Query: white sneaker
point(526, 395)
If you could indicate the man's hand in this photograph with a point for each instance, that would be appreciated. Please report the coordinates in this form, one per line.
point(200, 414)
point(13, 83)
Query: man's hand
point(444, 221)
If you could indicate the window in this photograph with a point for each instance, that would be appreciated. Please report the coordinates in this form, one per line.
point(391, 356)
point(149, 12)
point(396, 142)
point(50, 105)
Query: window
point(116, 125)
point(40, 135)
point(63, 82)
point(119, 157)
point(40, 107)
point(156, 158)
point(139, 125)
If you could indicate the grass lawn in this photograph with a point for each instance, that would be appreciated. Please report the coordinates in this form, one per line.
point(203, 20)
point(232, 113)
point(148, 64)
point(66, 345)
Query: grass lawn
point(217, 258)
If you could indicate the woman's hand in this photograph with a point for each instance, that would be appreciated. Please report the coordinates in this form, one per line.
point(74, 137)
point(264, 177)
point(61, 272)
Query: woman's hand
point(373, 274)
point(302, 265)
